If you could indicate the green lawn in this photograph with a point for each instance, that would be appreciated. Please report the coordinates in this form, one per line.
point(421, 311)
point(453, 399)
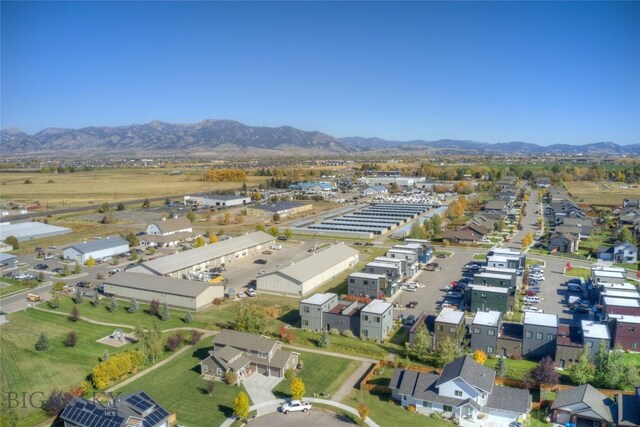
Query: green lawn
point(516, 369)
point(320, 374)
point(23, 369)
point(385, 412)
point(383, 377)
point(532, 261)
point(628, 266)
point(579, 272)
point(11, 286)
point(479, 257)
point(345, 345)
point(177, 386)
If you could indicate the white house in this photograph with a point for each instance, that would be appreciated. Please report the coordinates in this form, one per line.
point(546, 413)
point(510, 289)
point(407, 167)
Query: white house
point(464, 391)
point(96, 249)
point(168, 232)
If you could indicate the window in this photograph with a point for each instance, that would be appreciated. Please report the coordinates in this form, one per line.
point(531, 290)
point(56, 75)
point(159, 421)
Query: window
point(447, 408)
point(490, 349)
point(458, 393)
point(528, 334)
point(219, 371)
point(306, 308)
point(439, 328)
point(539, 336)
point(632, 328)
point(305, 322)
point(366, 282)
point(634, 345)
point(262, 355)
point(452, 330)
point(377, 319)
point(205, 368)
point(491, 333)
point(476, 330)
point(483, 295)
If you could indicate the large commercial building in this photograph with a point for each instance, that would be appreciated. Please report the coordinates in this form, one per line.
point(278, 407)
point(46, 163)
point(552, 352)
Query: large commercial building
point(304, 276)
point(284, 209)
point(96, 249)
point(7, 261)
point(185, 294)
point(217, 200)
point(179, 265)
point(25, 231)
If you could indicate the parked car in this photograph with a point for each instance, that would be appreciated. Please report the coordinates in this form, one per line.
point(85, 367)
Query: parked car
point(84, 284)
point(260, 261)
point(572, 287)
point(412, 304)
point(454, 294)
point(41, 267)
point(441, 255)
point(53, 247)
point(283, 238)
point(532, 299)
point(262, 272)
point(533, 310)
point(410, 320)
point(295, 406)
point(39, 249)
point(358, 244)
point(267, 252)
point(241, 295)
point(48, 256)
point(581, 309)
point(409, 289)
point(535, 289)
point(57, 270)
point(251, 292)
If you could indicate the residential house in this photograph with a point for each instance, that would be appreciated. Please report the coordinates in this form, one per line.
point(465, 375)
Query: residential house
point(514, 259)
point(245, 354)
point(449, 323)
point(498, 206)
point(367, 285)
point(625, 331)
point(568, 229)
point(313, 308)
point(126, 410)
point(464, 391)
point(619, 252)
point(510, 339)
point(168, 232)
point(631, 203)
point(539, 339)
point(569, 346)
point(497, 279)
point(593, 335)
point(628, 409)
point(376, 320)
point(391, 270)
point(376, 190)
point(585, 224)
point(466, 234)
point(583, 406)
point(487, 298)
point(626, 306)
point(608, 275)
point(344, 316)
point(566, 243)
point(485, 329)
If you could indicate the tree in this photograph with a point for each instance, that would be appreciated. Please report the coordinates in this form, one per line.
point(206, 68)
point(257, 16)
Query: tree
point(174, 341)
point(74, 315)
point(276, 217)
point(499, 226)
point(90, 262)
point(76, 268)
point(448, 349)
point(66, 271)
point(145, 203)
point(626, 236)
point(113, 305)
point(151, 343)
point(421, 345)
point(54, 302)
point(286, 334)
point(12, 241)
point(436, 224)
point(583, 371)
point(134, 256)
point(131, 238)
point(288, 233)
point(120, 207)
point(164, 313)
point(43, 342)
point(78, 298)
point(96, 300)
point(323, 342)
point(227, 218)
point(501, 368)
point(543, 373)
point(416, 231)
point(154, 307)
point(213, 239)
point(230, 377)
point(133, 306)
point(274, 231)
point(297, 388)
point(188, 318)
point(105, 208)
point(114, 260)
point(601, 363)
point(260, 227)
point(479, 356)
point(198, 242)
point(527, 240)
point(210, 387)
point(56, 402)
point(241, 405)
point(196, 336)
point(363, 411)
point(72, 339)
point(250, 318)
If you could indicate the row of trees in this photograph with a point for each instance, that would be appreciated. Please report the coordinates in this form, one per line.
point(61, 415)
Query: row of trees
point(605, 370)
point(108, 371)
point(225, 175)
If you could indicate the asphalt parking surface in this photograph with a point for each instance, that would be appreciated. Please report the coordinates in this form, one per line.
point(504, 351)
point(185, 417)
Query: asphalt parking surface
point(315, 417)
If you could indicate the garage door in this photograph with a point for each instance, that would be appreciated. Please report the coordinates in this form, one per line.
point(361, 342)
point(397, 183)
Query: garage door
point(497, 418)
point(262, 369)
point(275, 372)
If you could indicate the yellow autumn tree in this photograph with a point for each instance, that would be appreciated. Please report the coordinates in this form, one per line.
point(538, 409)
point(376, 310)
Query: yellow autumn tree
point(479, 356)
point(199, 241)
point(90, 262)
point(297, 388)
point(241, 405)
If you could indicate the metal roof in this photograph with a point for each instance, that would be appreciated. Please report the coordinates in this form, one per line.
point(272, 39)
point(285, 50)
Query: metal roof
point(621, 302)
point(99, 245)
point(377, 306)
point(5, 257)
point(540, 319)
point(159, 284)
point(383, 264)
point(346, 227)
point(493, 276)
point(594, 330)
point(319, 299)
point(280, 206)
point(494, 289)
point(30, 229)
point(449, 315)
point(487, 318)
point(362, 275)
point(315, 264)
point(181, 260)
point(625, 318)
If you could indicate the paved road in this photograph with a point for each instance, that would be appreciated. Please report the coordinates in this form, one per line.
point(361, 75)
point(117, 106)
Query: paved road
point(529, 222)
point(316, 417)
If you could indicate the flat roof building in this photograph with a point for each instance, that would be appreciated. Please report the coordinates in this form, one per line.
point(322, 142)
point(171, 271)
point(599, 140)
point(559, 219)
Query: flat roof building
point(376, 320)
point(25, 231)
point(283, 209)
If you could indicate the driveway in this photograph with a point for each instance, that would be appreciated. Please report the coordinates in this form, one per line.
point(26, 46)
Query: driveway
point(316, 417)
point(259, 388)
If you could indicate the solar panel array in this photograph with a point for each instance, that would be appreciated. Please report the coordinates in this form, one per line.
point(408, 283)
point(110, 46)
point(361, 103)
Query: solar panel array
point(138, 403)
point(87, 414)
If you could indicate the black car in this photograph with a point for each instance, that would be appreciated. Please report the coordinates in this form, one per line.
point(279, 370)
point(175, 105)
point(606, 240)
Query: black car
point(41, 267)
point(282, 238)
point(83, 284)
point(412, 304)
point(260, 261)
point(57, 270)
point(410, 320)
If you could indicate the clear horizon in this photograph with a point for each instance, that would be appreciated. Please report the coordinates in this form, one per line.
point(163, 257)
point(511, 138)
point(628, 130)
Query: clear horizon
point(537, 72)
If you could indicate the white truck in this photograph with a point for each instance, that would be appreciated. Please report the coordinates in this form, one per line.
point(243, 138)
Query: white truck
point(295, 406)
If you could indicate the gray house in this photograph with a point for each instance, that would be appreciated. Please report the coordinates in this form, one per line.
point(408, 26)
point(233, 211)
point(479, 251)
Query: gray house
point(583, 406)
point(539, 339)
point(344, 316)
point(313, 308)
point(449, 322)
point(619, 252)
point(593, 334)
point(7, 261)
point(376, 320)
point(485, 330)
point(367, 285)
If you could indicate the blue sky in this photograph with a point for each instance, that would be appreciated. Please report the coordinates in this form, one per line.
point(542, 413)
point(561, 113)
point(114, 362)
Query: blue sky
point(541, 72)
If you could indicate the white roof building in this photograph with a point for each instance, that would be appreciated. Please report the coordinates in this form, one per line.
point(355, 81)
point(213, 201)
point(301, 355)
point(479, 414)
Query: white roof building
point(487, 318)
point(541, 319)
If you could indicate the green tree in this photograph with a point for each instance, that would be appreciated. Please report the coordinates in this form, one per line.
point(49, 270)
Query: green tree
point(43, 342)
point(250, 318)
point(131, 238)
point(241, 406)
point(120, 207)
point(416, 231)
point(448, 349)
point(274, 231)
point(78, 298)
point(12, 241)
point(145, 203)
point(164, 312)
point(188, 318)
point(276, 217)
point(436, 225)
point(583, 371)
point(54, 302)
point(76, 268)
point(297, 388)
point(134, 256)
point(113, 305)
point(133, 306)
point(105, 208)
point(323, 342)
point(288, 233)
point(260, 227)
point(96, 300)
point(151, 342)
point(422, 343)
point(198, 242)
point(191, 216)
point(601, 362)
point(626, 236)
point(66, 271)
point(501, 368)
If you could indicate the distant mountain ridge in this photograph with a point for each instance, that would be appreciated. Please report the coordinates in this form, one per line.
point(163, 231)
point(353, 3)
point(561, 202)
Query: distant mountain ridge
point(227, 138)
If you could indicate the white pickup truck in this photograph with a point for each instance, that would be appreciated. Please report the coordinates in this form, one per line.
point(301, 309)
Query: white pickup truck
point(295, 406)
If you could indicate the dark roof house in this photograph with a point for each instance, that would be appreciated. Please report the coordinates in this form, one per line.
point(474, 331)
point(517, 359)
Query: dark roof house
point(583, 405)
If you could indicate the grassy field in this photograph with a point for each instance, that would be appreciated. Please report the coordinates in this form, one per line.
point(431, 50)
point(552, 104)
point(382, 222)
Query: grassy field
point(54, 190)
point(177, 386)
point(10, 286)
point(345, 345)
point(603, 192)
point(23, 369)
point(579, 272)
point(320, 374)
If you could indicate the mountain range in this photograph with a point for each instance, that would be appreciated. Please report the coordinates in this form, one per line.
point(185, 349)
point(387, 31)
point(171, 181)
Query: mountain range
point(228, 138)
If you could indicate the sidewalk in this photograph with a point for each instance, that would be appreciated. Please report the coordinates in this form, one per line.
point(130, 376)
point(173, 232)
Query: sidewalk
point(352, 382)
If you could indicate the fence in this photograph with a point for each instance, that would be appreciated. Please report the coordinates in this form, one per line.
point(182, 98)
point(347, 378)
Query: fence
point(365, 385)
point(560, 387)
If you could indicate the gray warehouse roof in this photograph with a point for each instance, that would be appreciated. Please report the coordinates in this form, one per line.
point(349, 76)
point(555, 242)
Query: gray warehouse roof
point(30, 230)
point(186, 259)
point(99, 245)
point(159, 284)
point(313, 265)
point(280, 206)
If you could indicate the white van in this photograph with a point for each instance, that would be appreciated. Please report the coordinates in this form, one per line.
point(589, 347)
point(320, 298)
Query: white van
point(532, 299)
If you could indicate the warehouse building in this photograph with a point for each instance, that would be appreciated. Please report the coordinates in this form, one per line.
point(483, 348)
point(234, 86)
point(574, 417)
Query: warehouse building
point(217, 200)
point(284, 209)
point(96, 249)
point(25, 231)
point(303, 277)
point(185, 294)
point(7, 261)
point(179, 265)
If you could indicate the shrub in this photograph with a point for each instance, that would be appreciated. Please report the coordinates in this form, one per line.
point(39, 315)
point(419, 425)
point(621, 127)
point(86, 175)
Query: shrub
point(54, 302)
point(217, 301)
point(174, 341)
point(196, 336)
point(43, 343)
point(230, 378)
point(347, 333)
point(411, 408)
point(290, 374)
point(74, 316)
point(58, 286)
point(334, 331)
point(154, 307)
point(188, 318)
point(113, 305)
point(56, 402)
point(72, 339)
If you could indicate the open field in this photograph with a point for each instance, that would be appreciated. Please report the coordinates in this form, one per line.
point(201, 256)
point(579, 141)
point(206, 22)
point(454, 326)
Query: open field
point(106, 185)
point(602, 192)
point(23, 369)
